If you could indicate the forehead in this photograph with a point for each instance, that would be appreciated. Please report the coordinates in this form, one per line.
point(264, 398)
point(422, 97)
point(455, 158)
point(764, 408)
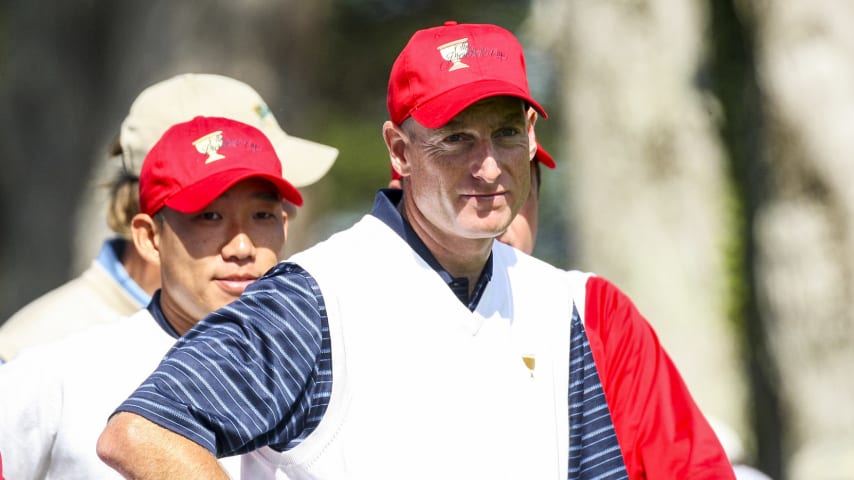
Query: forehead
point(252, 188)
point(493, 109)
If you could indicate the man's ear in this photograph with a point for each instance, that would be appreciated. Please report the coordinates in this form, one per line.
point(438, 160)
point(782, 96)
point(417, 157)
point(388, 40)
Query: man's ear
point(145, 233)
point(532, 136)
point(395, 142)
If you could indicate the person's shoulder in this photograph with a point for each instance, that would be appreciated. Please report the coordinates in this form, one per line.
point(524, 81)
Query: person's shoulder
point(48, 359)
point(286, 271)
point(82, 302)
point(507, 256)
point(601, 288)
point(286, 277)
point(80, 295)
point(50, 316)
point(611, 313)
point(95, 341)
point(54, 301)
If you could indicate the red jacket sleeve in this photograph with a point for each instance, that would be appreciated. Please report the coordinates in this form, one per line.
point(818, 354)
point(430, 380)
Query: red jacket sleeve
point(662, 433)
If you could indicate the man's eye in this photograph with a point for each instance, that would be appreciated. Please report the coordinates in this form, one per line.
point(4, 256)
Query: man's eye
point(454, 137)
point(508, 132)
point(209, 216)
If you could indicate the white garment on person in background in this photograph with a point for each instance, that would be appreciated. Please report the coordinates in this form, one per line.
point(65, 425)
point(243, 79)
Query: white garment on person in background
point(745, 472)
point(734, 449)
point(94, 297)
point(58, 396)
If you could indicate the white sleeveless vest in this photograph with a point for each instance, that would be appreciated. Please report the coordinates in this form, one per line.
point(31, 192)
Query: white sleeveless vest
point(423, 388)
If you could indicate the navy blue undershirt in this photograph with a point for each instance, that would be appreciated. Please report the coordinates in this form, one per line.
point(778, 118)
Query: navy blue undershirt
point(156, 312)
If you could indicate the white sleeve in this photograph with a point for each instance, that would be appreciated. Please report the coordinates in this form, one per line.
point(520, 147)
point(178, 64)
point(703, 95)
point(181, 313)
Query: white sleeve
point(30, 406)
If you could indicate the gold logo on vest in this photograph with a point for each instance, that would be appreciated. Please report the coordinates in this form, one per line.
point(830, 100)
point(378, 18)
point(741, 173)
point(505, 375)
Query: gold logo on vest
point(530, 362)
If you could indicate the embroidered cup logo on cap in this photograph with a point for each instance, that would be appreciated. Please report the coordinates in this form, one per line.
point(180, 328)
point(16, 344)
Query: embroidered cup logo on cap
point(209, 144)
point(454, 52)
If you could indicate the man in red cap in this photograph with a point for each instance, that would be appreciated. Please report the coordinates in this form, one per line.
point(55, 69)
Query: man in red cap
point(212, 220)
point(435, 351)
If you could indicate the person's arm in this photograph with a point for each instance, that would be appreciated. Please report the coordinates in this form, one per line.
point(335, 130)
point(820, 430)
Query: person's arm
point(140, 449)
point(661, 431)
point(249, 375)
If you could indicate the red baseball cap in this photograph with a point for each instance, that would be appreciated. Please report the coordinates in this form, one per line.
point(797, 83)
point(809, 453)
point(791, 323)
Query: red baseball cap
point(443, 70)
point(195, 162)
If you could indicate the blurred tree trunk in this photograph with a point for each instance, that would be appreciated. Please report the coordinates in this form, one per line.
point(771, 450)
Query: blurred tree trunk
point(805, 229)
point(742, 127)
point(52, 89)
point(645, 172)
point(771, 247)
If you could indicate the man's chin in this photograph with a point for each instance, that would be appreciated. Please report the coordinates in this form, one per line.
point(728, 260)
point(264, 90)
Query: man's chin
point(223, 298)
point(489, 226)
point(484, 234)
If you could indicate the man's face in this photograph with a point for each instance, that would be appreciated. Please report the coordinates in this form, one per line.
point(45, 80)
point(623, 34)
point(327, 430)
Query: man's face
point(209, 257)
point(469, 178)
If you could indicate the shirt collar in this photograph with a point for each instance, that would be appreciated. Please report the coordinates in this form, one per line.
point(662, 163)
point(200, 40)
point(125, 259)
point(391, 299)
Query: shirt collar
point(385, 209)
point(157, 313)
point(110, 259)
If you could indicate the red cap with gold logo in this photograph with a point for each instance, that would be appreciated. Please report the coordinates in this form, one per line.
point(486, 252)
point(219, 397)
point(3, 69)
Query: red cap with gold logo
point(443, 70)
point(195, 162)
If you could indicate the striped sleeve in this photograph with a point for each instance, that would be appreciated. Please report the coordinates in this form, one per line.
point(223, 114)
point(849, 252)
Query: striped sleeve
point(254, 373)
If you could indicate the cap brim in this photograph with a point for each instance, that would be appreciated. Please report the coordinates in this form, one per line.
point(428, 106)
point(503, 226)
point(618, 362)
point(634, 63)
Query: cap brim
point(196, 197)
point(303, 162)
point(440, 109)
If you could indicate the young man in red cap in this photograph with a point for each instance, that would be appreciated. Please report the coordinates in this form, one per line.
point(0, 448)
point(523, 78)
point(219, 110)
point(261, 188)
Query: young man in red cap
point(436, 352)
point(212, 220)
point(119, 282)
